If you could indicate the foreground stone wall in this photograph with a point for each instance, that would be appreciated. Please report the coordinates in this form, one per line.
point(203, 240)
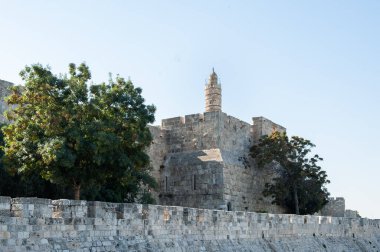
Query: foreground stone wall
point(31, 224)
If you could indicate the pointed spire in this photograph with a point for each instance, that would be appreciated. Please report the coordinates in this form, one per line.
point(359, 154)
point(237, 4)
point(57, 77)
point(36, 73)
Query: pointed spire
point(213, 79)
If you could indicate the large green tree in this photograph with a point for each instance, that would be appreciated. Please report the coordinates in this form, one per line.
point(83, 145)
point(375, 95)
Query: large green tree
point(76, 134)
point(300, 184)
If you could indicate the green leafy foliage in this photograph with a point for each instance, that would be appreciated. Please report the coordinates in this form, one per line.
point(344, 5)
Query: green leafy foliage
point(300, 186)
point(26, 184)
point(80, 136)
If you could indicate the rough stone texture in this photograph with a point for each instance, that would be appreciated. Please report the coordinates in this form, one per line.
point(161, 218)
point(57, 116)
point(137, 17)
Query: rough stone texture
point(107, 210)
point(202, 160)
point(263, 126)
point(351, 214)
point(65, 208)
point(136, 227)
point(335, 207)
point(31, 207)
point(5, 206)
point(193, 179)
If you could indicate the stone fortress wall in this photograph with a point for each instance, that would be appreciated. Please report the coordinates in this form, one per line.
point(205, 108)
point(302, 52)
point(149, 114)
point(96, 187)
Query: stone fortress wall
point(262, 126)
point(202, 160)
point(335, 207)
point(32, 224)
point(177, 154)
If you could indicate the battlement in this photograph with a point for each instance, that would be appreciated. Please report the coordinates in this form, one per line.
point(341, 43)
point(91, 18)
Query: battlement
point(42, 224)
point(335, 207)
point(263, 126)
point(181, 121)
point(209, 117)
point(173, 122)
point(192, 119)
point(336, 199)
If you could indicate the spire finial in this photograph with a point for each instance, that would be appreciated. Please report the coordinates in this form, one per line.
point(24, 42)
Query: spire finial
point(213, 70)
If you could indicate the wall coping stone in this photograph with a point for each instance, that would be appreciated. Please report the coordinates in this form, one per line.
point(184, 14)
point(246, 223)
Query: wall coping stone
point(68, 202)
point(5, 199)
point(31, 200)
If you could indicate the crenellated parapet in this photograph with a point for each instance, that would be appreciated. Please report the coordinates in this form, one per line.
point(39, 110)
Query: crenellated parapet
point(262, 126)
point(335, 207)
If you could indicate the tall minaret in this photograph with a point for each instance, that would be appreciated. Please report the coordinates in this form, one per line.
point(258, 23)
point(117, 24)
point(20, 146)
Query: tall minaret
point(213, 93)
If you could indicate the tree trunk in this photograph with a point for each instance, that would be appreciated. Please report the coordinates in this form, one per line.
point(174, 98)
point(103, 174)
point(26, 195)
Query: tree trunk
point(76, 191)
point(296, 203)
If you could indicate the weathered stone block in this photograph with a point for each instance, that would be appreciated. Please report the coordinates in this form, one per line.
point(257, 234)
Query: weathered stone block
point(105, 210)
point(31, 207)
point(5, 206)
point(64, 208)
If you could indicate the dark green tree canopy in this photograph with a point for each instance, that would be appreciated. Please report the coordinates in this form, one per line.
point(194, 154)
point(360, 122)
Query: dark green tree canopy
point(300, 185)
point(76, 134)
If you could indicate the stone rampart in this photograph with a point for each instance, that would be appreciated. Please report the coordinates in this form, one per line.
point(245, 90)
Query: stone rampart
point(263, 126)
point(32, 224)
point(335, 207)
point(192, 132)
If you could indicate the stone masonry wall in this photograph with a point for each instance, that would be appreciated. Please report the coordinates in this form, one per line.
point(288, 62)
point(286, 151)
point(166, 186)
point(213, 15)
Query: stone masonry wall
point(193, 179)
point(236, 139)
point(202, 160)
point(335, 207)
point(157, 152)
point(351, 214)
point(236, 136)
point(192, 132)
point(31, 224)
point(243, 181)
point(263, 126)
point(185, 162)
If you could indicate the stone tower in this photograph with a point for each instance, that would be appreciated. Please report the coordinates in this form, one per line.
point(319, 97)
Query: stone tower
point(213, 93)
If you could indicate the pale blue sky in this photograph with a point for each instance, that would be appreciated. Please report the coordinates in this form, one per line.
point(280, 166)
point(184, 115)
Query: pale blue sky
point(311, 66)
